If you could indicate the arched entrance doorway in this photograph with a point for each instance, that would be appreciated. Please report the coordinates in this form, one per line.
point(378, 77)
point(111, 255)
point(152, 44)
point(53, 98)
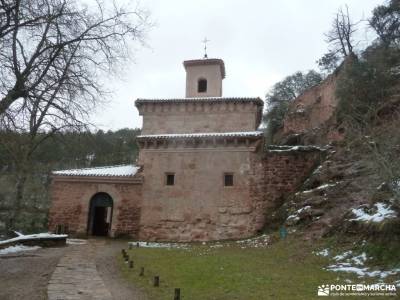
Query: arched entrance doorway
point(100, 214)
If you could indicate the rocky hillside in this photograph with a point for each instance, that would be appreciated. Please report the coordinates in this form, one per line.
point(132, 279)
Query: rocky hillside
point(356, 189)
point(334, 196)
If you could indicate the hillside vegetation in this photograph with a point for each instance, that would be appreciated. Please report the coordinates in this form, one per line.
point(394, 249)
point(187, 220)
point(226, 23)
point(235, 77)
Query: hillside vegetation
point(353, 197)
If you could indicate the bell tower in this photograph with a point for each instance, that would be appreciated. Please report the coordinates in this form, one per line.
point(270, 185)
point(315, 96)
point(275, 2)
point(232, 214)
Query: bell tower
point(204, 77)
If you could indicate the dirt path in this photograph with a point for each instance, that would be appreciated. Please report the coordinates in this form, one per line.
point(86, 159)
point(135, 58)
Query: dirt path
point(106, 252)
point(89, 271)
point(76, 277)
point(28, 275)
point(25, 275)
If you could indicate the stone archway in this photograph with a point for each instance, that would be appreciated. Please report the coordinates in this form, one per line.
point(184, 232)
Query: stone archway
point(100, 214)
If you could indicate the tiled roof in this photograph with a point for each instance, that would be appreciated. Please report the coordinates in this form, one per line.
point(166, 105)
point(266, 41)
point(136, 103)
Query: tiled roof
point(257, 100)
point(107, 171)
point(202, 135)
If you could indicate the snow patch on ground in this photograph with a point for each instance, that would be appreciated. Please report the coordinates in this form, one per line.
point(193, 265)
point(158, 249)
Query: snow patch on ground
point(18, 248)
point(324, 252)
point(159, 245)
point(382, 212)
point(319, 188)
point(76, 242)
point(275, 148)
point(363, 272)
point(255, 242)
point(347, 262)
point(317, 170)
point(342, 256)
point(397, 283)
point(22, 237)
point(293, 218)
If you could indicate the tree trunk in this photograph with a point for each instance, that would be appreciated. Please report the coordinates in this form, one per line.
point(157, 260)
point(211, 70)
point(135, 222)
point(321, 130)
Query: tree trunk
point(19, 196)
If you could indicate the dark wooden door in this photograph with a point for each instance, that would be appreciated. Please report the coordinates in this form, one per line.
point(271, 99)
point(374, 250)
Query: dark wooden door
point(99, 221)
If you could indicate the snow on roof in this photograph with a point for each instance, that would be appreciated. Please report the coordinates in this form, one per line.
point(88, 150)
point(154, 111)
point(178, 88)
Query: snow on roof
point(257, 100)
point(201, 135)
point(118, 171)
point(301, 148)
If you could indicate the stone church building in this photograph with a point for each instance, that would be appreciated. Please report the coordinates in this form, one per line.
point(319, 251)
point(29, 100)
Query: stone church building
point(203, 172)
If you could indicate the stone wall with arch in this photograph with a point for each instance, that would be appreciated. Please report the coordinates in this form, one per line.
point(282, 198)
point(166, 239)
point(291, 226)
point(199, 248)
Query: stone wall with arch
point(198, 207)
point(71, 200)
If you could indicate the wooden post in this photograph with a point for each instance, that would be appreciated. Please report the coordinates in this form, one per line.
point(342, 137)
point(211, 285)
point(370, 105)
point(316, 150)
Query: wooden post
point(123, 252)
point(137, 245)
point(131, 264)
point(126, 257)
point(156, 280)
point(141, 271)
point(177, 295)
point(130, 246)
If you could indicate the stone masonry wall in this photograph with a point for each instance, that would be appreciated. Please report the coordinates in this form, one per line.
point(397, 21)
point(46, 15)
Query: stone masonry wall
point(71, 200)
point(313, 108)
point(198, 207)
point(192, 117)
point(275, 175)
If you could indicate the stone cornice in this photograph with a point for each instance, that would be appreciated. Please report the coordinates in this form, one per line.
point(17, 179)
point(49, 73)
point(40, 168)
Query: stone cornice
point(203, 104)
point(201, 143)
point(192, 150)
point(202, 135)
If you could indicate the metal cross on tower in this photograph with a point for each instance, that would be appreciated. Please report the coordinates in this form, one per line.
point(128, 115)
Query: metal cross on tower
point(205, 41)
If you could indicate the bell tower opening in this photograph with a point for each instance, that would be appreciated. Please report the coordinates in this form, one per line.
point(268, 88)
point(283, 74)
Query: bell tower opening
point(204, 77)
point(202, 85)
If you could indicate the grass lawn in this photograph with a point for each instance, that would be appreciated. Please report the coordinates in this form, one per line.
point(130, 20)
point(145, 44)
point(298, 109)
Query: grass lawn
point(286, 269)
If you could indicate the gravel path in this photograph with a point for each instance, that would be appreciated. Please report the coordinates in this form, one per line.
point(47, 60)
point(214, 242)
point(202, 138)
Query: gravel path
point(25, 275)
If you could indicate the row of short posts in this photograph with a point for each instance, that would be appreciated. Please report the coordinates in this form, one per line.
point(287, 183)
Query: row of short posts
point(156, 279)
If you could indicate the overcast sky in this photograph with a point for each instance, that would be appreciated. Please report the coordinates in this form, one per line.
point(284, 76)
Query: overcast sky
point(261, 42)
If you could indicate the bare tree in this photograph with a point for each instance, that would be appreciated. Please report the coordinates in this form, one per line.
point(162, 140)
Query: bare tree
point(340, 39)
point(45, 41)
point(54, 55)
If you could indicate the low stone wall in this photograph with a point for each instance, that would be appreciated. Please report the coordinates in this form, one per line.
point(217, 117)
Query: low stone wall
point(280, 171)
